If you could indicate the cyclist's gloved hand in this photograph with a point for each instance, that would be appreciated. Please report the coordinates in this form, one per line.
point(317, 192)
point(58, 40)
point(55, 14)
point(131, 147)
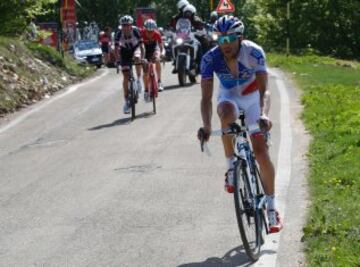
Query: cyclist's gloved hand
point(204, 134)
point(137, 60)
point(265, 123)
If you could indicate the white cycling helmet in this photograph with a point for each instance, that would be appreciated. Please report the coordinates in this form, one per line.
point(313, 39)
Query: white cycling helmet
point(214, 14)
point(182, 4)
point(150, 25)
point(229, 25)
point(190, 8)
point(126, 20)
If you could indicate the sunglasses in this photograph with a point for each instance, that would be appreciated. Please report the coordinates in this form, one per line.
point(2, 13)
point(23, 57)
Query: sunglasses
point(222, 39)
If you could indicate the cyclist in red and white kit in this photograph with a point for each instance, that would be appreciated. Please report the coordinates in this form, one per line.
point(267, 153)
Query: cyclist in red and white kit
point(153, 50)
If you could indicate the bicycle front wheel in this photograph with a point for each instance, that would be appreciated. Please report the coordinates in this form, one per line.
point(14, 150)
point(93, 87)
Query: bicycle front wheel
point(153, 91)
point(248, 217)
point(132, 100)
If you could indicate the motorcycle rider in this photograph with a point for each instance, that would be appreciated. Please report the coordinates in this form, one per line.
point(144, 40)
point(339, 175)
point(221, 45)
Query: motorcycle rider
point(189, 12)
point(211, 36)
point(129, 45)
point(213, 17)
point(180, 5)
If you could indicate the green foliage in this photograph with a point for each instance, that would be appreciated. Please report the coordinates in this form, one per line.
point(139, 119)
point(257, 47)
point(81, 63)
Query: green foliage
point(107, 12)
point(16, 14)
point(327, 26)
point(330, 27)
point(51, 55)
point(331, 102)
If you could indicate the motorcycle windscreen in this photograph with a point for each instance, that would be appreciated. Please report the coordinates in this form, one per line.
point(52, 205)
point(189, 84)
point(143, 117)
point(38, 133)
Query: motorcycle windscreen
point(183, 28)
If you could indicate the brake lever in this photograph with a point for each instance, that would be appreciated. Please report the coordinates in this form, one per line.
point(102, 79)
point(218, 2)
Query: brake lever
point(202, 139)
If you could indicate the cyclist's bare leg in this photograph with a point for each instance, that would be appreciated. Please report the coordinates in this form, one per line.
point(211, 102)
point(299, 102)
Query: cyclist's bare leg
point(227, 114)
point(138, 67)
point(126, 83)
point(146, 81)
point(158, 70)
point(267, 171)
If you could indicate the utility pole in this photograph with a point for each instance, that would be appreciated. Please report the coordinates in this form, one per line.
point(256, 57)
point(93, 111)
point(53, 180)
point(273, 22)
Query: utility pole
point(211, 5)
point(288, 28)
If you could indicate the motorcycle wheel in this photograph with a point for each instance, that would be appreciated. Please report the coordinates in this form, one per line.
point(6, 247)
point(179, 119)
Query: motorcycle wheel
point(182, 71)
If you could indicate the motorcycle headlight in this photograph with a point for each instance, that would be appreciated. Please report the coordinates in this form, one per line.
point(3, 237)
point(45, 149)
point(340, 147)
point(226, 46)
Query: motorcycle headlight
point(214, 36)
point(179, 41)
point(166, 44)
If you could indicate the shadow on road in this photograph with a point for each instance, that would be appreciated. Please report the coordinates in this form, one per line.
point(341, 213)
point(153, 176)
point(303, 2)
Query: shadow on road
point(176, 86)
point(233, 258)
point(123, 121)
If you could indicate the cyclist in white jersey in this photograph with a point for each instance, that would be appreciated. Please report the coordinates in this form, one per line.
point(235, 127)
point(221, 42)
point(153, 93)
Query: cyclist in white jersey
point(241, 68)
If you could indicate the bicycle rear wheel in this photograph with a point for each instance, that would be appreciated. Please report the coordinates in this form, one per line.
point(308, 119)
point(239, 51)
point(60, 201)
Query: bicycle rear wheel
point(248, 217)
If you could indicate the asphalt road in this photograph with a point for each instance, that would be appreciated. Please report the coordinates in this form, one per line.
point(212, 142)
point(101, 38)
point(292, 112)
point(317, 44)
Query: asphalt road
point(82, 185)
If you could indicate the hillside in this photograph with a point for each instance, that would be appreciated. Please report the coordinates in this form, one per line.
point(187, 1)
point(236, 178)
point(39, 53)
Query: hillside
point(30, 72)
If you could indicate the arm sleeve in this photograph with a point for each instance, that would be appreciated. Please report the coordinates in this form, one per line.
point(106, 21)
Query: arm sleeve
point(198, 23)
point(257, 60)
point(173, 22)
point(158, 38)
point(207, 66)
point(117, 38)
point(137, 34)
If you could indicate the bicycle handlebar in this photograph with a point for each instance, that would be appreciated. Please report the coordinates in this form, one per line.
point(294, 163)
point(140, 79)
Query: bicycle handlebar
point(234, 129)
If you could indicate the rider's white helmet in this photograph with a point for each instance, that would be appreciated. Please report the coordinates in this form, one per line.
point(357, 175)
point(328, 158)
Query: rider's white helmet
point(190, 8)
point(182, 4)
point(150, 24)
point(126, 20)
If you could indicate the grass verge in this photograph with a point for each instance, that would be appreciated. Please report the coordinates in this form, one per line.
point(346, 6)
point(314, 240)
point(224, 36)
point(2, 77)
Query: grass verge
point(331, 99)
point(67, 63)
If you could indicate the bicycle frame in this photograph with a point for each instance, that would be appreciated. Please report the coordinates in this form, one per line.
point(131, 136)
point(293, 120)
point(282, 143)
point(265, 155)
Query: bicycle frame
point(243, 152)
point(133, 90)
point(250, 200)
point(152, 77)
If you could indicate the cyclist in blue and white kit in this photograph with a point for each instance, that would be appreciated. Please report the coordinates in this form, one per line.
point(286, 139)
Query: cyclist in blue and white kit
point(241, 69)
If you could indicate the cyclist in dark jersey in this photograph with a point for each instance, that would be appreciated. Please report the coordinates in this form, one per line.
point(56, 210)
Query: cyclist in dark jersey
point(129, 47)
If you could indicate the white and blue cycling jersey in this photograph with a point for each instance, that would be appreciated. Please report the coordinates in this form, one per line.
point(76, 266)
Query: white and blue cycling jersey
point(241, 91)
point(251, 60)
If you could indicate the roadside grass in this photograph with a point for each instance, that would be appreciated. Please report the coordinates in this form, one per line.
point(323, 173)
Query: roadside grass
point(331, 99)
point(50, 54)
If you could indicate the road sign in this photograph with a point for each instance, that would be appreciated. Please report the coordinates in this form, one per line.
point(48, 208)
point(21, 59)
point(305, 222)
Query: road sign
point(225, 6)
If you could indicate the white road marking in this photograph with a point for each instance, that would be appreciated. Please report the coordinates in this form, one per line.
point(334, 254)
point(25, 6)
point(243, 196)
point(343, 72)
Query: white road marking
point(283, 172)
point(70, 90)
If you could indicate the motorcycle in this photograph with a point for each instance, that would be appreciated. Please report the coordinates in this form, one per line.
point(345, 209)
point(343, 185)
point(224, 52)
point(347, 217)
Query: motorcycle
point(211, 36)
point(167, 40)
point(185, 49)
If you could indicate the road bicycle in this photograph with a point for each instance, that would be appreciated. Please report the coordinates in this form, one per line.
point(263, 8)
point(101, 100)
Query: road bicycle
point(153, 84)
point(133, 90)
point(249, 196)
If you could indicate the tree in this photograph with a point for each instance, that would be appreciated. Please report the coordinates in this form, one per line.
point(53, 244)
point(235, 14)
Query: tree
point(16, 14)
